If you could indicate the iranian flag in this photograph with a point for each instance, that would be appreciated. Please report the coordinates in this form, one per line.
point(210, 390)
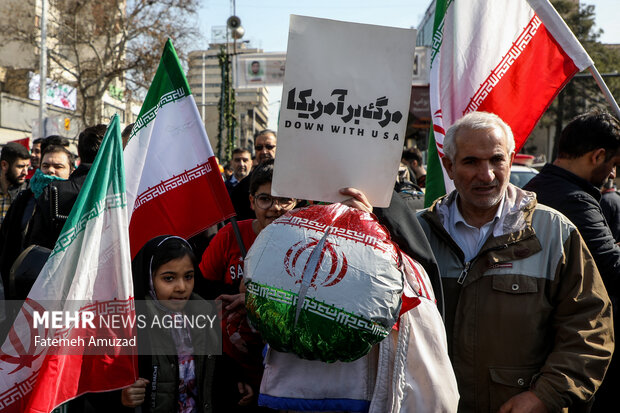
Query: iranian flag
point(174, 184)
point(89, 270)
point(510, 58)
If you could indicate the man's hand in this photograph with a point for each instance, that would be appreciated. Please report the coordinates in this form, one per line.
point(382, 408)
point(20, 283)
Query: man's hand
point(526, 402)
point(358, 200)
point(234, 303)
point(246, 391)
point(133, 396)
point(233, 307)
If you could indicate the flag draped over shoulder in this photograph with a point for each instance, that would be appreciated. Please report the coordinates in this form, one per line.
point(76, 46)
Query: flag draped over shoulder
point(89, 269)
point(173, 181)
point(510, 58)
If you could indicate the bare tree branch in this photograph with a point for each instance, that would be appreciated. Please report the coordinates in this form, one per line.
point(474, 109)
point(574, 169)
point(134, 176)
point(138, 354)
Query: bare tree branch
point(93, 44)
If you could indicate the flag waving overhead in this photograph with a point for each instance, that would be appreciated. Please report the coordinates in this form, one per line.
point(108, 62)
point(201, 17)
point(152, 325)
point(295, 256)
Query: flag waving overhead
point(173, 181)
point(507, 57)
point(88, 270)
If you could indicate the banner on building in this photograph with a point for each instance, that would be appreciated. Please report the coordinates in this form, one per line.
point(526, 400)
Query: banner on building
point(259, 70)
point(58, 94)
point(344, 109)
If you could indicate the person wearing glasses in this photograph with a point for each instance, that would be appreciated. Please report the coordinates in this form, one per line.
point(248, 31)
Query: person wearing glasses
point(265, 143)
point(222, 266)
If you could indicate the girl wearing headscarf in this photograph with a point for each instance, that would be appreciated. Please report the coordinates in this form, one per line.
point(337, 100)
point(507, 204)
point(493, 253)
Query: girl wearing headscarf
point(176, 379)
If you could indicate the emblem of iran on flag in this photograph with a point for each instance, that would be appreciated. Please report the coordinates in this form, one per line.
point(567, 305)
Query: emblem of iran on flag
point(174, 184)
point(89, 270)
point(510, 58)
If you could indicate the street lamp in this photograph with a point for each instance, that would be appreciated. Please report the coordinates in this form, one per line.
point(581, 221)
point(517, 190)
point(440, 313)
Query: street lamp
point(238, 33)
point(228, 118)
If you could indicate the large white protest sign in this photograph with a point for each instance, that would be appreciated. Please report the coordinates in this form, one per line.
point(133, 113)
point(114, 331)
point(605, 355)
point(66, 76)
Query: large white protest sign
point(344, 109)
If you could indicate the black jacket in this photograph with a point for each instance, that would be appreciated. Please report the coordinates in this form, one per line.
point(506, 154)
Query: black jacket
point(12, 233)
point(53, 208)
point(406, 232)
point(610, 205)
point(578, 199)
point(16, 189)
point(240, 198)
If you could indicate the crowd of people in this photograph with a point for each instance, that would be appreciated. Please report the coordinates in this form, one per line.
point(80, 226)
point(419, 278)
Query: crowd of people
point(527, 280)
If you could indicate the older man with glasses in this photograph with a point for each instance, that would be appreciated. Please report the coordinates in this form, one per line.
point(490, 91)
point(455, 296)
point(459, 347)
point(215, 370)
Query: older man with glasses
point(265, 145)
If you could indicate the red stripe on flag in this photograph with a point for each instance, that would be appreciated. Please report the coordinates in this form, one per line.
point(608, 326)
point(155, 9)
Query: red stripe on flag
point(407, 304)
point(80, 375)
point(529, 86)
point(439, 129)
point(185, 210)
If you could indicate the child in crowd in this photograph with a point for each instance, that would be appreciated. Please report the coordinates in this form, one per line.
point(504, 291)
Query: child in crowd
point(163, 274)
point(222, 264)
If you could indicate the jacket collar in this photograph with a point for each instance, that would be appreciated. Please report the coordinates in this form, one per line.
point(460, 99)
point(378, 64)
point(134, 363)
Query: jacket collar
point(515, 215)
point(13, 190)
point(81, 170)
point(514, 236)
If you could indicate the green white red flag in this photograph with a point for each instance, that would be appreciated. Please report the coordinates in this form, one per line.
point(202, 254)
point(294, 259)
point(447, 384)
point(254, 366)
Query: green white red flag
point(173, 181)
point(89, 269)
point(510, 58)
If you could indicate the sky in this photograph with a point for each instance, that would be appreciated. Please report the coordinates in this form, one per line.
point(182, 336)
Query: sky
point(266, 21)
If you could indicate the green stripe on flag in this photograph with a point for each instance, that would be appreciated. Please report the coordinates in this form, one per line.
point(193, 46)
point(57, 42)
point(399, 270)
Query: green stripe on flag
point(272, 311)
point(435, 186)
point(169, 85)
point(440, 16)
point(103, 189)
